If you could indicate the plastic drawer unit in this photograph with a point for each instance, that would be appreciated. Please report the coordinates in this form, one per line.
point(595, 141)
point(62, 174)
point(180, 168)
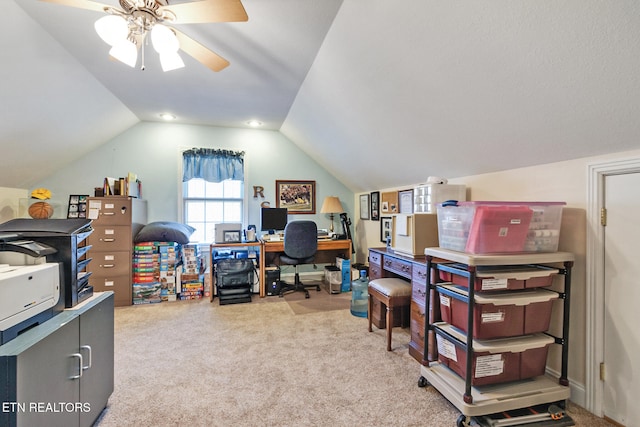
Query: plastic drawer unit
point(494, 361)
point(498, 315)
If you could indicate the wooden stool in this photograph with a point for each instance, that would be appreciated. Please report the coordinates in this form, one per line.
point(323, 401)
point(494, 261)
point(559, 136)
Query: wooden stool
point(392, 292)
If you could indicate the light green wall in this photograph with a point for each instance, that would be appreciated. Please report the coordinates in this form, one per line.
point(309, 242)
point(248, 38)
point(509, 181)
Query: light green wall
point(153, 152)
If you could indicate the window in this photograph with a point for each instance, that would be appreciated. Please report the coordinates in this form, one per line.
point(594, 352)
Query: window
point(206, 203)
point(212, 190)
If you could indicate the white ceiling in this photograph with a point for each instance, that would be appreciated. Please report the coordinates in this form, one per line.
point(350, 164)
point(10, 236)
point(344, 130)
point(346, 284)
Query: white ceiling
point(382, 93)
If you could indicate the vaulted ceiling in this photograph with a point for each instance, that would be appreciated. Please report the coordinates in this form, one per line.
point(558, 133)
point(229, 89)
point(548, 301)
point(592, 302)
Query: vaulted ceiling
point(382, 93)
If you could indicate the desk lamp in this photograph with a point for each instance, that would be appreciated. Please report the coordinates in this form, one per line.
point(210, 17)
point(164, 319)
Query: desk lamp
point(331, 205)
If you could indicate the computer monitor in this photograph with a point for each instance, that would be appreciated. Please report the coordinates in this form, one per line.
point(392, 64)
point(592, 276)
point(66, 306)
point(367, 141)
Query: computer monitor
point(273, 219)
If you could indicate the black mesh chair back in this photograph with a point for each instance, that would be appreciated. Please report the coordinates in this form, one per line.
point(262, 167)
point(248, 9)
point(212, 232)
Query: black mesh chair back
point(300, 247)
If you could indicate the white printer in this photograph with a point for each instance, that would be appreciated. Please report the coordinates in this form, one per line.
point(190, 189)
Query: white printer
point(29, 286)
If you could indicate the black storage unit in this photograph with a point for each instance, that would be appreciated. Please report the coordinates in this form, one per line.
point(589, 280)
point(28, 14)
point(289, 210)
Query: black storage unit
point(488, 401)
point(67, 237)
point(234, 279)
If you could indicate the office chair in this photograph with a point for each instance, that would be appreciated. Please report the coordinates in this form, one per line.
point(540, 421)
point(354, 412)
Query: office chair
point(300, 247)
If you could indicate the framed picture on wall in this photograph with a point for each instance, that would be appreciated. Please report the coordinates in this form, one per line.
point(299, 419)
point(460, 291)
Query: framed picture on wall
point(364, 206)
point(375, 206)
point(405, 201)
point(385, 228)
point(299, 197)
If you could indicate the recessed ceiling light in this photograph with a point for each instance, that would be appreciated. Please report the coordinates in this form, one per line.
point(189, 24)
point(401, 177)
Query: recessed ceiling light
point(167, 116)
point(254, 123)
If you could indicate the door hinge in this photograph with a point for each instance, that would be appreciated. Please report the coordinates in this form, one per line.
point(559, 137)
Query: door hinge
point(601, 371)
point(603, 217)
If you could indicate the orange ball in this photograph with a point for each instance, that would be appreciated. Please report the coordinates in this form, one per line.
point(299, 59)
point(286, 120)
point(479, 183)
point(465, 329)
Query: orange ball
point(40, 210)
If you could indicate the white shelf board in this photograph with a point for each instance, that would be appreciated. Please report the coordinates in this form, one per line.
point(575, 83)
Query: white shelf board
point(493, 398)
point(500, 259)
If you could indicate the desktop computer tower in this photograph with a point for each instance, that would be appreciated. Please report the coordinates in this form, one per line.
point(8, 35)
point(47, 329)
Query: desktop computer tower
point(272, 280)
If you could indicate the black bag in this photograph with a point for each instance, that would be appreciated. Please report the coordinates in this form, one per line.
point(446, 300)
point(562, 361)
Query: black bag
point(234, 272)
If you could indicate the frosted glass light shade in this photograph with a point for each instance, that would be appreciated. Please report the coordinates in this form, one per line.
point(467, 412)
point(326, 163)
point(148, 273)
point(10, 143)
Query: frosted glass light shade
point(163, 39)
point(112, 29)
point(170, 61)
point(125, 51)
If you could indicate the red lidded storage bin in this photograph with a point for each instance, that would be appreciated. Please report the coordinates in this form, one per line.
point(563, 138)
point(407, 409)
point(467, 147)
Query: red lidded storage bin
point(494, 361)
point(498, 315)
point(506, 278)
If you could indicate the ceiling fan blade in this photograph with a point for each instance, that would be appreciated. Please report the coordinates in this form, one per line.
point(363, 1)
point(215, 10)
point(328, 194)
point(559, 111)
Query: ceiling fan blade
point(200, 12)
point(81, 4)
point(201, 53)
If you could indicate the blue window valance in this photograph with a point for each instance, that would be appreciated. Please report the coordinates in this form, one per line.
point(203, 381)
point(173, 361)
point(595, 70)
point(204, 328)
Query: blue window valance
point(212, 165)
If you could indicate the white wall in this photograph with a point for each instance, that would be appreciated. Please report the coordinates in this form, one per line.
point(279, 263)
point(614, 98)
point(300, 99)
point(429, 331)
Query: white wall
point(13, 203)
point(153, 152)
point(563, 181)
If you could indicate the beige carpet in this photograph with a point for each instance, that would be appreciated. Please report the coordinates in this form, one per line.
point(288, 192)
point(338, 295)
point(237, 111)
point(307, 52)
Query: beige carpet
point(318, 300)
point(195, 363)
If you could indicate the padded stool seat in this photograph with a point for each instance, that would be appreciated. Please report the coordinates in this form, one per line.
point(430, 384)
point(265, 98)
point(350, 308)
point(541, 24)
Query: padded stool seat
point(392, 292)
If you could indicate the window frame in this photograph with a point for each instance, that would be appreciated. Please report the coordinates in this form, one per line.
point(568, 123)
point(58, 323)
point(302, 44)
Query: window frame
point(181, 196)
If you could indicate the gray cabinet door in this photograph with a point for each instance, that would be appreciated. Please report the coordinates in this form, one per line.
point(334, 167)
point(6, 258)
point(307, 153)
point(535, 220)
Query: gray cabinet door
point(96, 346)
point(47, 379)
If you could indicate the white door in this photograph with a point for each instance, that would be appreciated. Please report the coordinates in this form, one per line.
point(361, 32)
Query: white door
point(622, 299)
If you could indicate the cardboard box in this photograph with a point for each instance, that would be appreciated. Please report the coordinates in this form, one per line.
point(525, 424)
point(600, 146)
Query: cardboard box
point(345, 268)
point(146, 293)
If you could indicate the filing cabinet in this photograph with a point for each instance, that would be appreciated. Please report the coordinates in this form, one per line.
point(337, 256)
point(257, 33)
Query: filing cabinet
point(116, 221)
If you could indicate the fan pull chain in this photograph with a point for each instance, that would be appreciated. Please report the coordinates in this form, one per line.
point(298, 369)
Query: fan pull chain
point(142, 66)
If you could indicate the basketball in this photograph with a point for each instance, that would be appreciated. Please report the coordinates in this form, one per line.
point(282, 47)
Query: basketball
point(40, 210)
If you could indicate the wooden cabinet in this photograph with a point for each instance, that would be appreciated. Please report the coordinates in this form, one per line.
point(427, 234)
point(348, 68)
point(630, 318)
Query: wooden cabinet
point(375, 265)
point(60, 373)
point(116, 221)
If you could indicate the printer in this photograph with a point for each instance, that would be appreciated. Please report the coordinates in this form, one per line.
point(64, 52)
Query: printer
point(29, 286)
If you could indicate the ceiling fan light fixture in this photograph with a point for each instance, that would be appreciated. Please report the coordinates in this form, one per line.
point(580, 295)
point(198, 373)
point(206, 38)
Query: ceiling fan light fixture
point(170, 61)
point(125, 51)
point(164, 40)
point(112, 29)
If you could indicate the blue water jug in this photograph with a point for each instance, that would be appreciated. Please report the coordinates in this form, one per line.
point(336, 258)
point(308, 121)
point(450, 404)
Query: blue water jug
point(360, 295)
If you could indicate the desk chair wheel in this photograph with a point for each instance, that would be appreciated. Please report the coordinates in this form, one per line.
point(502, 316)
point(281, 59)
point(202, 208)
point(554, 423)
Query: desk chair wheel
point(318, 288)
point(306, 294)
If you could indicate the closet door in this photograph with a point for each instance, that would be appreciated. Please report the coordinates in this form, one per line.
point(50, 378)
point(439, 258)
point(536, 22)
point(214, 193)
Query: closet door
point(622, 298)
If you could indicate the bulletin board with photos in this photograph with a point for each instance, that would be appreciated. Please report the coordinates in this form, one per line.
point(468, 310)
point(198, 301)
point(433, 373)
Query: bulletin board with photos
point(77, 206)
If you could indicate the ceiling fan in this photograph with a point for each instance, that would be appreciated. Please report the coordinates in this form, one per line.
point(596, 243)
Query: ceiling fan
point(125, 29)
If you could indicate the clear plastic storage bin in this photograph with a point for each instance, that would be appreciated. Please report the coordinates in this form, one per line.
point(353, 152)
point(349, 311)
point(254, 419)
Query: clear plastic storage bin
point(500, 227)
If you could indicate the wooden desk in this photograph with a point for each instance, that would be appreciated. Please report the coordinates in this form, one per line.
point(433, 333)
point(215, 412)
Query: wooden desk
point(328, 250)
